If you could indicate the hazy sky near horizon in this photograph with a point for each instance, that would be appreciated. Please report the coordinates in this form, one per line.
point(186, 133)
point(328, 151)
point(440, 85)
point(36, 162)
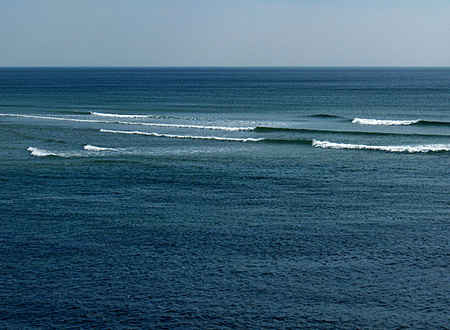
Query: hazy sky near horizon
point(225, 33)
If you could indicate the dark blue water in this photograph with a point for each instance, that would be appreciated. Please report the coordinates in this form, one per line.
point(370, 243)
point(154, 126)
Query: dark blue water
point(224, 198)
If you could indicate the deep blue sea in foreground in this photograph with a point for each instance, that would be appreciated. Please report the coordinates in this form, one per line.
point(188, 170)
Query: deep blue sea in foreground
point(211, 198)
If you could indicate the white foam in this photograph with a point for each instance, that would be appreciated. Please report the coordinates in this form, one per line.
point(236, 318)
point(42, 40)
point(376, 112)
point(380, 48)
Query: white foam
point(217, 138)
point(364, 121)
point(114, 115)
point(42, 153)
point(404, 148)
point(95, 148)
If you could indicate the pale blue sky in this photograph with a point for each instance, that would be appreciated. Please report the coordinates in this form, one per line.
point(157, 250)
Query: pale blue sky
point(224, 33)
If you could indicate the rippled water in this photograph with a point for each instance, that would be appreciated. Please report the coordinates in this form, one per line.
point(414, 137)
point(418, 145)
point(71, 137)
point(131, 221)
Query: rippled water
point(224, 198)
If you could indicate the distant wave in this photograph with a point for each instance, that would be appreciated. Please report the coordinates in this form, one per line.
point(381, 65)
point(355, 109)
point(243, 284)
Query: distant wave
point(184, 136)
point(52, 118)
point(95, 148)
point(402, 148)
point(223, 128)
point(116, 115)
point(433, 123)
point(36, 152)
point(324, 115)
point(267, 129)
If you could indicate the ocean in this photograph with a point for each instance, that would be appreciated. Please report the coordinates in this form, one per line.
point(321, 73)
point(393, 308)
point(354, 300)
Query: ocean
point(211, 198)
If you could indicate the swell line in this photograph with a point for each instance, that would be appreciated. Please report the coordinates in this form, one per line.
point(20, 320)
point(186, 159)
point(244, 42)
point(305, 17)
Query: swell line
point(208, 127)
point(324, 115)
point(53, 118)
point(215, 138)
point(221, 128)
point(264, 129)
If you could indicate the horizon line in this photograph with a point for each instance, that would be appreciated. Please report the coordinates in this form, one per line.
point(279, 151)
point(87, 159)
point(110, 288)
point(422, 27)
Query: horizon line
point(222, 66)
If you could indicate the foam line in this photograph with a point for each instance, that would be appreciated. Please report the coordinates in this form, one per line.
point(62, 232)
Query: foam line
point(401, 148)
point(217, 138)
point(114, 115)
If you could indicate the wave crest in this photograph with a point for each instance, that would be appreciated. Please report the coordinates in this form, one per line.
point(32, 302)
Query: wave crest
point(404, 148)
point(89, 147)
point(368, 121)
point(217, 138)
point(114, 115)
point(208, 127)
point(220, 128)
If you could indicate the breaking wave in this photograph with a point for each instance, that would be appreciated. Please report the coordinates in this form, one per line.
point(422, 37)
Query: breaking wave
point(402, 148)
point(115, 115)
point(364, 121)
point(45, 153)
point(40, 152)
point(36, 152)
point(184, 136)
point(89, 147)
point(385, 122)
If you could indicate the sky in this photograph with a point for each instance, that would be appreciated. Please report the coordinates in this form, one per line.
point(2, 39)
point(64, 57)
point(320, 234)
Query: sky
point(225, 33)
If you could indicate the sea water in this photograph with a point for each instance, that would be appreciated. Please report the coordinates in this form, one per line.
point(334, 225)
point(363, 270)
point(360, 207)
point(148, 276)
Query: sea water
point(224, 197)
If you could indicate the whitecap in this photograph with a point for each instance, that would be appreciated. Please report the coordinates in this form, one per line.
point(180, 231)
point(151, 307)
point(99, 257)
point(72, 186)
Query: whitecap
point(368, 121)
point(52, 118)
point(114, 115)
point(43, 153)
point(90, 147)
point(401, 148)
